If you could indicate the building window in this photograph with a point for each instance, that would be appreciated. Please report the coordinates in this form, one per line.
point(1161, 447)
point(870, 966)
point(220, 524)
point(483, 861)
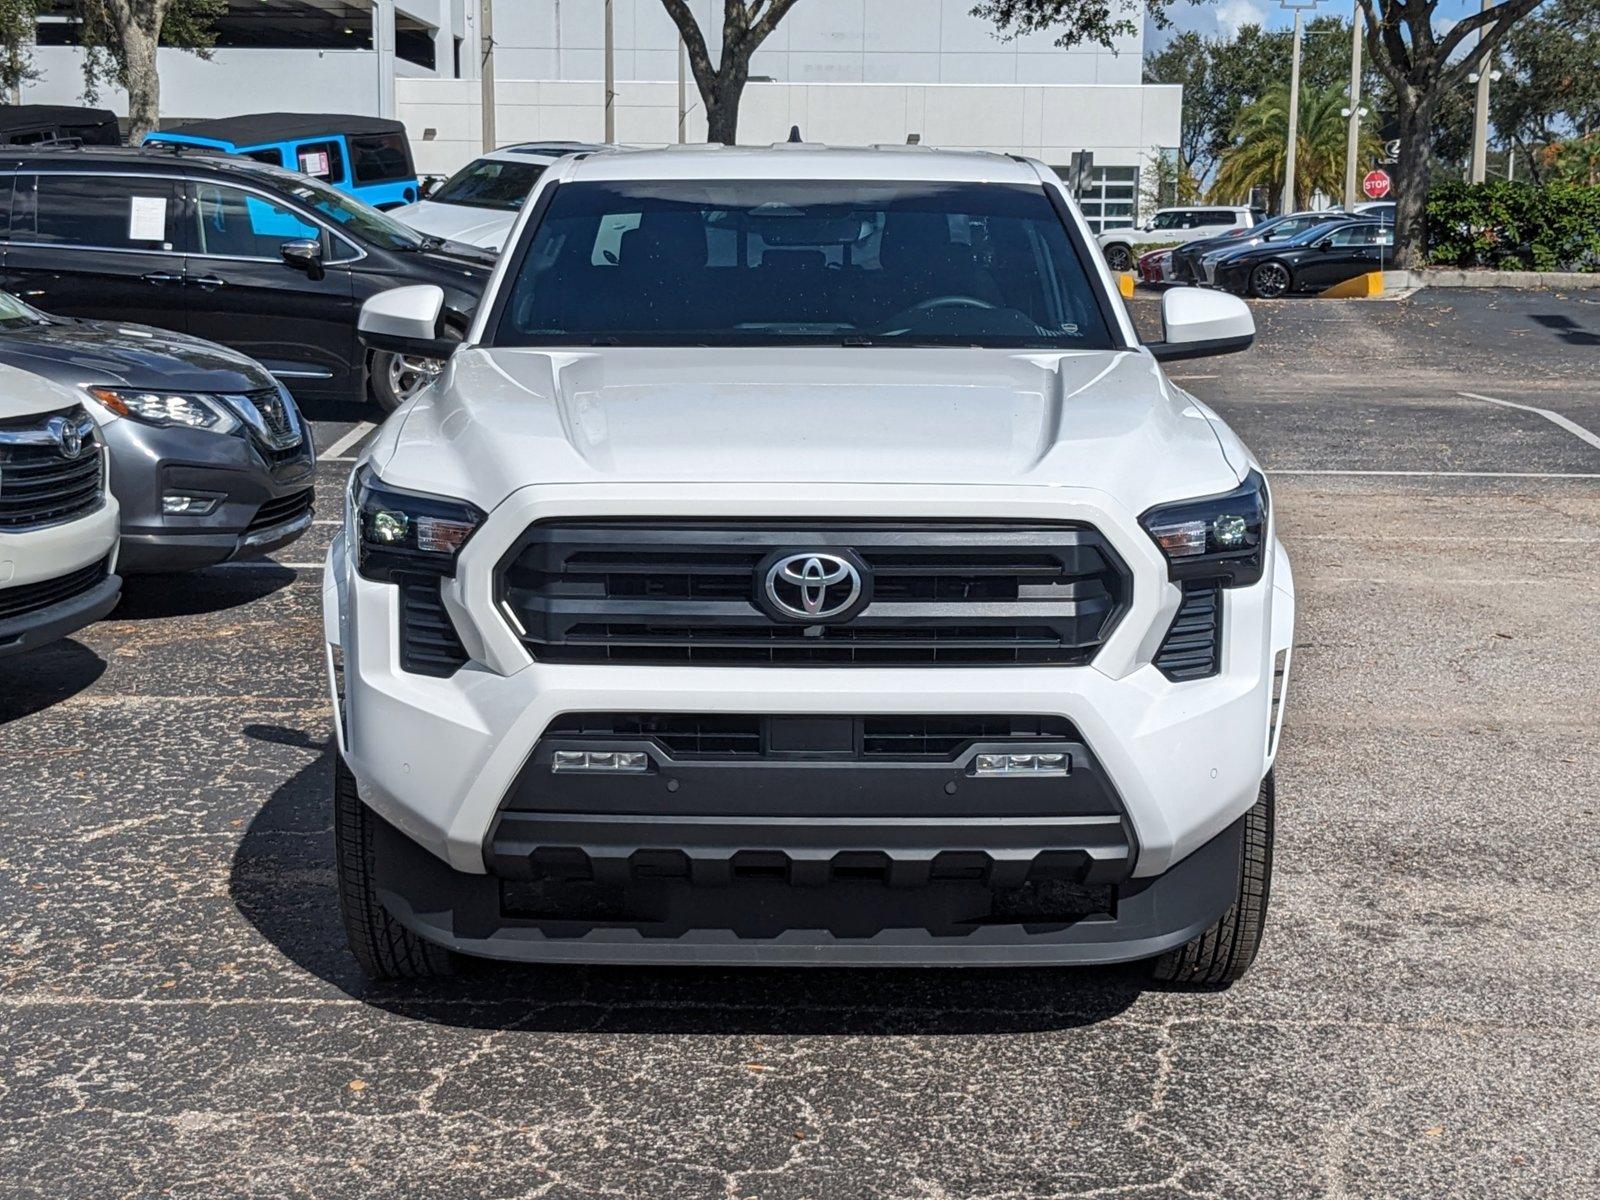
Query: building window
point(1111, 199)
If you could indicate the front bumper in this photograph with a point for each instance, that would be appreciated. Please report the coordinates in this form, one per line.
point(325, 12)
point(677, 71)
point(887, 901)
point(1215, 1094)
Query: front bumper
point(61, 578)
point(150, 461)
point(440, 760)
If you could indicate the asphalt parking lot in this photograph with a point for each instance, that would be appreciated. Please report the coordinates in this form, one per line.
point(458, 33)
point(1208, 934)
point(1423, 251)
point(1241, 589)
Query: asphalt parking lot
point(180, 1017)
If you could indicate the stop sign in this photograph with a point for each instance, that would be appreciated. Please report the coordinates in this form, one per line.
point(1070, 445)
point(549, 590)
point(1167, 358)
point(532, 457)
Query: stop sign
point(1376, 184)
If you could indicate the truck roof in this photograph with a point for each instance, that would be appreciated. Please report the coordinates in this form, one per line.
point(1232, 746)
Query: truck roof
point(806, 160)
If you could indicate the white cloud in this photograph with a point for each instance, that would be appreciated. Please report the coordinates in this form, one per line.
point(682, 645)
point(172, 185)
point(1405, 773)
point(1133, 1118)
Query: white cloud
point(1233, 15)
point(1225, 18)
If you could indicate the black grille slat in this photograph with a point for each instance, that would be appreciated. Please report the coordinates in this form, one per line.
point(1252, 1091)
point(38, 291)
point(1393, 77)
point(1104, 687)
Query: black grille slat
point(281, 510)
point(429, 644)
point(687, 736)
point(34, 597)
point(39, 485)
point(1192, 648)
point(944, 593)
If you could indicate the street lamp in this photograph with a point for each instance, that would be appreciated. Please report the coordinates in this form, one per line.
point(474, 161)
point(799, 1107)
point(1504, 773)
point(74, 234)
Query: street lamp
point(1297, 7)
point(1483, 76)
point(1355, 112)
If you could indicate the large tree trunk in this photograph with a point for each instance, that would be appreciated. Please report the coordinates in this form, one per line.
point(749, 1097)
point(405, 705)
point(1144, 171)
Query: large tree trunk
point(722, 105)
point(1413, 174)
point(144, 82)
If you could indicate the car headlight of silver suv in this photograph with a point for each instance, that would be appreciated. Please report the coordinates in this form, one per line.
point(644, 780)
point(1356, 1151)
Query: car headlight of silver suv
point(398, 531)
point(182, 410)
point(1219, 537)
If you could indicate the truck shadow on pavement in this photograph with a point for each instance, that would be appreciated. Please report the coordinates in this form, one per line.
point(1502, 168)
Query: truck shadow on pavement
point(195, 592)
point(282, 882)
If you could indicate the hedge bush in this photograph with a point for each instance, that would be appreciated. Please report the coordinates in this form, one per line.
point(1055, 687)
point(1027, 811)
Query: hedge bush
point(1515, 226)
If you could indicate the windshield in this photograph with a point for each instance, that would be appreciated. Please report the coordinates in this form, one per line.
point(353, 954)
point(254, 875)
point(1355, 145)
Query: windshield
point(364, 221)
point(489, 183)
point(769, 262)
point(15, 312)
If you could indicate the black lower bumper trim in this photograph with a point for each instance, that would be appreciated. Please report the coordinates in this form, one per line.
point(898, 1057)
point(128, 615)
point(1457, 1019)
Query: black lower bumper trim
point(46, 625)
point(757, 921)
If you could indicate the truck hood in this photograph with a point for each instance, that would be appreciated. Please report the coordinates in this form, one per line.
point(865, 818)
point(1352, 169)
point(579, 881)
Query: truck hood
point(104, 352)
point(498, 420)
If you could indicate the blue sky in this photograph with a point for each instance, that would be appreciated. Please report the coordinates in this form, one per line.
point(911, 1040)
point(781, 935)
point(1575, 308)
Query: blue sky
point(1226, 16)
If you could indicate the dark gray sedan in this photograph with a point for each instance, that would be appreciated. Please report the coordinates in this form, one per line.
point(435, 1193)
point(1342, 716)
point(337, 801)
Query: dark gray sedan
point(210, 459)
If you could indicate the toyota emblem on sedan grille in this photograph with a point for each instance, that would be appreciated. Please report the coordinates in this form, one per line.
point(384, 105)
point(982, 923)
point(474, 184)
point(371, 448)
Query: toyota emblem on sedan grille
point(813, 585)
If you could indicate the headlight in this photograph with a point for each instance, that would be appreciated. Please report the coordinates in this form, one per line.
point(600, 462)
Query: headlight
point(185, 410)
point(401, 531)
point(1215, 537)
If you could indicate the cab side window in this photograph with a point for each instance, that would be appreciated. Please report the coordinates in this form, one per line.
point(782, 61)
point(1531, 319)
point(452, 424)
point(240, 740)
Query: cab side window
point(231, 223)
point(321, 160)
point(114, 212)
point(380, 157)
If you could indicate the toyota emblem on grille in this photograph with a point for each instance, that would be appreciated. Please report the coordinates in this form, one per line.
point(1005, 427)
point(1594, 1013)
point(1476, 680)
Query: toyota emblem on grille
point(69, 438)
point(813, 585)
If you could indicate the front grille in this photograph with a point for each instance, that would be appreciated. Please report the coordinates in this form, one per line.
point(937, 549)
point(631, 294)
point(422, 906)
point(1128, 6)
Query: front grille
point(274, 424)
point(946, 594)
point(30, 598)
point(282, 510)
point(696, 736)
point(1192, 648)
point(429, 644)
point(40, 484)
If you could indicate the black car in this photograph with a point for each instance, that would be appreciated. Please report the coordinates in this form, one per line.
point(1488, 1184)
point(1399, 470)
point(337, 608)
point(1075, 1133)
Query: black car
point(210, 460)
point(1310, 262)
point(1186, 258)
point(267, 261)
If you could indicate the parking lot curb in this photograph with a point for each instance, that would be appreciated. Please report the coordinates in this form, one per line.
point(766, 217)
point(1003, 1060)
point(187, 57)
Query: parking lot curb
point(1449, 278)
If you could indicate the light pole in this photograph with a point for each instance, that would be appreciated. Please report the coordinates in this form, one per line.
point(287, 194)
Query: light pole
point(1290, 150)
point(1352, 197)
point(1480, 113)
point(486, 71)
point(611, 78)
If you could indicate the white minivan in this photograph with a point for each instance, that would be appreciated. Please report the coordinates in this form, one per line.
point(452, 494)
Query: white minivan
point(58, 518)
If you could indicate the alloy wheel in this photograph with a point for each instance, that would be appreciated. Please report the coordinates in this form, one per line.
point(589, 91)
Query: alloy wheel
point(1269, 280)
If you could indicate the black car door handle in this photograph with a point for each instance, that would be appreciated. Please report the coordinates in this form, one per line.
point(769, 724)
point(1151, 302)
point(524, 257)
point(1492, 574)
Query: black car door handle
point(210, 282)
point(161, 278)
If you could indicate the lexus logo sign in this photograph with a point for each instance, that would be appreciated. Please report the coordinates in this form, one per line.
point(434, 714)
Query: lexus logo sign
point(812, 585)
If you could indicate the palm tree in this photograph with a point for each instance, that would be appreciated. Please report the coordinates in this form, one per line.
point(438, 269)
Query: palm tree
point(1261, 133)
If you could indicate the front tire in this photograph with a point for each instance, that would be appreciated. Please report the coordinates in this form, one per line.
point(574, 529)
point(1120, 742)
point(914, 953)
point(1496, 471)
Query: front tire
point(1270, 280)
point(1222, 954)
point(384, 948)
point(1119, 257)
point(392, 378)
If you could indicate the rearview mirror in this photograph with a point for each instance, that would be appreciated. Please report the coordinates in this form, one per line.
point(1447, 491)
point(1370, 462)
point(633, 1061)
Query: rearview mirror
point(406, 320)
point(1197, 324)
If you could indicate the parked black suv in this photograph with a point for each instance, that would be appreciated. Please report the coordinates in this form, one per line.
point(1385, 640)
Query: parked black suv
point(272, 263)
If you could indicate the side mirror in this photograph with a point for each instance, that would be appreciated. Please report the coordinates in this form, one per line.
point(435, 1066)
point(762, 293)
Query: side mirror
point(406, 321)
point(1324, 243)
point(303, 254)
point(1197, 324)
point(429, 182)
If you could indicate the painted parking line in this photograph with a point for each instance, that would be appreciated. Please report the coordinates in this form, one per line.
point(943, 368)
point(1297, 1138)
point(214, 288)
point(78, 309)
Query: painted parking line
point(332, 453)
point(1571, 426)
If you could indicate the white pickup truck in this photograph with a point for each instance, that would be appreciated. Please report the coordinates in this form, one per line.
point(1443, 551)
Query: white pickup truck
point(58, 519)
point(802, 561)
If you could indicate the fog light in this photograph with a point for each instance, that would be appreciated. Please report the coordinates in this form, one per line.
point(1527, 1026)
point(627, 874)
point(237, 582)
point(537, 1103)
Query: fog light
point(600, 760)
point(184, 504)
point(1031, 765)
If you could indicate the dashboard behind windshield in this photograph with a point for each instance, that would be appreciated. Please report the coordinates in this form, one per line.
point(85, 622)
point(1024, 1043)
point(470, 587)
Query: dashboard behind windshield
point(777, 262)
point(489, 183)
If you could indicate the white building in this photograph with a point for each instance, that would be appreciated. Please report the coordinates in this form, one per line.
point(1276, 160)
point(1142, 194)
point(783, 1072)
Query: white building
point(844, 71)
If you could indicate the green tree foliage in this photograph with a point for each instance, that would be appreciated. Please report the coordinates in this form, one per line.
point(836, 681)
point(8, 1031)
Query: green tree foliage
point(1550, 86)
point(1261, 136)
point(17, 21)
